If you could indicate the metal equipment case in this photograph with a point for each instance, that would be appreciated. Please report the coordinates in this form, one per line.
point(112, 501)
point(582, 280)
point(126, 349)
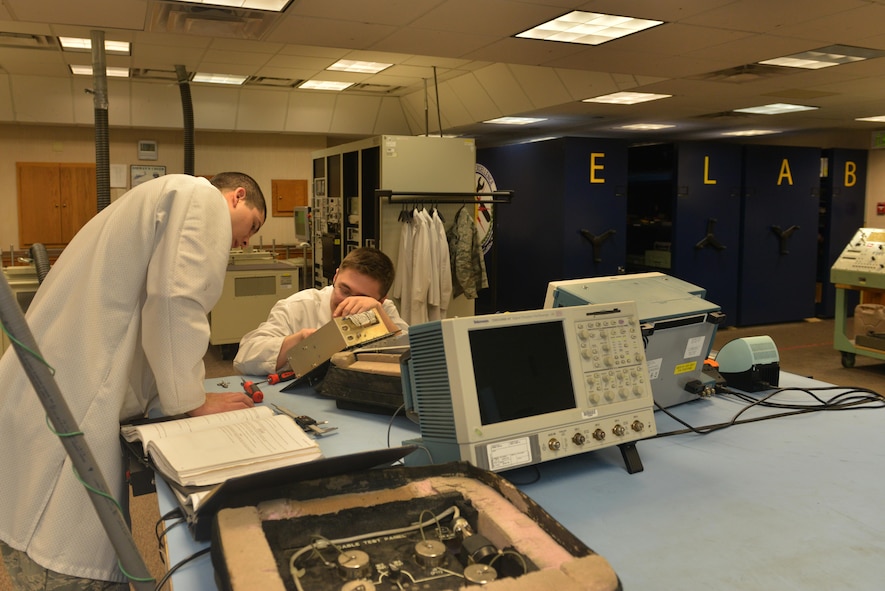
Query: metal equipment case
point(254, 282)
point(859, 269)
point(682, 324)
point(512, 544)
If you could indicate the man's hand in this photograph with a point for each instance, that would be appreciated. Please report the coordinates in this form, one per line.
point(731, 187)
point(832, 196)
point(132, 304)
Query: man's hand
point(222, 402)
point(289, 342)
point(356, 304)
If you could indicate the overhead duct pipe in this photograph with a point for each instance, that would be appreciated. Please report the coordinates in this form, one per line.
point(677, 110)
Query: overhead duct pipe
point(100, 102)
point(187, 109)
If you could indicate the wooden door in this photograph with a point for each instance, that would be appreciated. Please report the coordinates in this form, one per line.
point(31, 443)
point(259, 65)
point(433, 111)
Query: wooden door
point(287, 194)
point(55, 200)
point(79, 199)
point(39, 203)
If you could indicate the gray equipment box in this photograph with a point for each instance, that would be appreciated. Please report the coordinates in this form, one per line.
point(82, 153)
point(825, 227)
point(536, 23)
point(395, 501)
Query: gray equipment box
point(679, 322)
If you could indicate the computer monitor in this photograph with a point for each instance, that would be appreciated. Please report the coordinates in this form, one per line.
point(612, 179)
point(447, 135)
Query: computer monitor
point(508, 390)
point(301, 217)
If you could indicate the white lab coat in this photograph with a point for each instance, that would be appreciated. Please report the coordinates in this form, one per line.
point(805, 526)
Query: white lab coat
point(309, 308)
point(423, 281)
point(121, 317)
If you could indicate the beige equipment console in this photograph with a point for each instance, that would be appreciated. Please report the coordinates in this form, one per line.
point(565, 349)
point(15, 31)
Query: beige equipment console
point(23, 282)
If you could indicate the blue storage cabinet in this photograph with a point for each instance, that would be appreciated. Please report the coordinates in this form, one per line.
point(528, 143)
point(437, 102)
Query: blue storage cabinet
point(842, 202)
point(567, 218)
point(684, 216)
point(779, 234)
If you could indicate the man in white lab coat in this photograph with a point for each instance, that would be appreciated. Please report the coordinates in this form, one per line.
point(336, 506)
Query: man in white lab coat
point(122, 319)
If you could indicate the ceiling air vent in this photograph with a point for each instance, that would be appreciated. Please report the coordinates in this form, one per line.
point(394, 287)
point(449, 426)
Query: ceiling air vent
point(725, 115)
point(27, 41)
point(152, 74)
point(272, 82)
point(373, 88)
point(742, 74)
point(189, 19)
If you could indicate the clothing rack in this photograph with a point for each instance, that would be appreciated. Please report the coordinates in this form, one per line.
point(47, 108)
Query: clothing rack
point(489, 197)
point(447, 196)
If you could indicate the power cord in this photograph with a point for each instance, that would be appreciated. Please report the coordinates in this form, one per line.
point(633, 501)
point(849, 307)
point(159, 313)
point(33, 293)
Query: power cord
point(179, 564)
point(846, 399)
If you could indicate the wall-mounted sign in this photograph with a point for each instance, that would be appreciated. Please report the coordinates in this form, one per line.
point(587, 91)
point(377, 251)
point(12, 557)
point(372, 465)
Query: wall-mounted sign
point(139, 174)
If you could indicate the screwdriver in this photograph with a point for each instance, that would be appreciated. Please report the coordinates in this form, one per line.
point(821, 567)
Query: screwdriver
point(276, 378)
point(252, 389)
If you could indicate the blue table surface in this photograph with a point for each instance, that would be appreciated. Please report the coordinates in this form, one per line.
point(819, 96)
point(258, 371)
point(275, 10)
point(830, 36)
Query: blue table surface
point(786, 503)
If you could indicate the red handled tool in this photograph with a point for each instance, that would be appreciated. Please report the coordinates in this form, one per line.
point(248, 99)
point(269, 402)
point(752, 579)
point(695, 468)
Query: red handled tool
point(252, 389)
point(276, 378)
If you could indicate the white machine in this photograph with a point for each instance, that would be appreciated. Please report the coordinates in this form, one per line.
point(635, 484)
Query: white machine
point(680, 323)
point(23, 282)
point(861, 269)
point(255, 281)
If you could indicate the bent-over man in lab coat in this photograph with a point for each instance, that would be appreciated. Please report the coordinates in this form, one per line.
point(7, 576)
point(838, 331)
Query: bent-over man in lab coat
point(122, 318)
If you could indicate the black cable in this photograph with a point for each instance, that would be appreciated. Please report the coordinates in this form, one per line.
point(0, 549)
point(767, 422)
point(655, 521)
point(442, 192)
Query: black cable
point(169, 527)
point(178, 565)
point(852, 402)
point(390, 424)
point(173, 513)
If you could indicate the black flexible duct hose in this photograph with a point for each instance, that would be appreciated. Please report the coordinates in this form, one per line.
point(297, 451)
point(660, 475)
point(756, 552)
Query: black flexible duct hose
point(102, 159)
point(187, 109)
point(41, 260)
point(100, 102)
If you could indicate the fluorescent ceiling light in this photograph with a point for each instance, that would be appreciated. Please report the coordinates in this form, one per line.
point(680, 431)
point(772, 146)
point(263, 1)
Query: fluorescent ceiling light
point(358, 66)
point(808, 63)
point(274, 5)
point(626, 98)
point(775, 109)
point(324, 85)
point(81, 44)
point(588, 28)
point(111, 72)
point(750, 132)
point(825, 57)
point(514, 120)
point(219, 78)
point(646, 126)
point(876, 119)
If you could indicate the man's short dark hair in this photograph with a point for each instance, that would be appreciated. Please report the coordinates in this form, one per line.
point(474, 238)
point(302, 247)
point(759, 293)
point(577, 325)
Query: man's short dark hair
point(372, 263)
point(228, 181)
